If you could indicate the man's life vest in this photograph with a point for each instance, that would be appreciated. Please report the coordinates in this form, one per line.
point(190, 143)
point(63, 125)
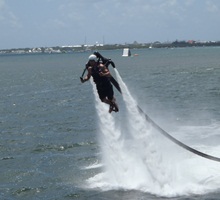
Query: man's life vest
point(101, 81)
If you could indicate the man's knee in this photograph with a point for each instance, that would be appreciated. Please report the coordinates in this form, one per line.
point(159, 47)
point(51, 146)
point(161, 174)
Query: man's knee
point(103, 100)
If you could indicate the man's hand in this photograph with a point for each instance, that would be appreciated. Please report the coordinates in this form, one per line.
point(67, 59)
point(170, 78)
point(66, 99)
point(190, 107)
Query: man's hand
point(101, 74)
point(82, 81)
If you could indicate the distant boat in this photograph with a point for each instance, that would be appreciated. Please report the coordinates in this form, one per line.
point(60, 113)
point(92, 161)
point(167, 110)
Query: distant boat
point(126, 52)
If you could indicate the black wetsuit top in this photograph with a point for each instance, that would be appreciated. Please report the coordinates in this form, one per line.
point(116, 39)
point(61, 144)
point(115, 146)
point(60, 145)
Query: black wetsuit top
point(103, 84)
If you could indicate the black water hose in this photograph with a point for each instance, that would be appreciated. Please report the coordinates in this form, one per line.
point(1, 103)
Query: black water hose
point(199, 153)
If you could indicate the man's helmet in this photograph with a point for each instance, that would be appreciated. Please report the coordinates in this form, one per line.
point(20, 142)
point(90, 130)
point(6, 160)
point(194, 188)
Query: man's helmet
point(93, 57)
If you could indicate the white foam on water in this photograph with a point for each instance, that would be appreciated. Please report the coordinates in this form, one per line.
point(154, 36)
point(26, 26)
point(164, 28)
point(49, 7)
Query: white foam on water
point(141, 159)
point(93, 166)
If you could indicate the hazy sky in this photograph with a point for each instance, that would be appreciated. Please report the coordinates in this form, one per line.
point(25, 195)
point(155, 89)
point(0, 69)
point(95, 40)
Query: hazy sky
point(41, 23)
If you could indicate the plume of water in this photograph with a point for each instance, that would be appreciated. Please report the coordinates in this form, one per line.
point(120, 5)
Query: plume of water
point(134, 157)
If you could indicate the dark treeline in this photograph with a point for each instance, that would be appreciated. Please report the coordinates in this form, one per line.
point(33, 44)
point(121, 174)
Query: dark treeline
point(134, 45)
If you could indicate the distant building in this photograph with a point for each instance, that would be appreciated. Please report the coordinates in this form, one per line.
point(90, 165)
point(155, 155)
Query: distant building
point(191, 41)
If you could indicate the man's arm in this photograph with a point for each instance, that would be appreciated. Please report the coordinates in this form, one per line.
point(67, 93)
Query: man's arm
point(104, 71)
point(87, 76)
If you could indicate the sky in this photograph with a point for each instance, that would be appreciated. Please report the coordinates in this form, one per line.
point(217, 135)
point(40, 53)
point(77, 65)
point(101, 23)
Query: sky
point(47, 23)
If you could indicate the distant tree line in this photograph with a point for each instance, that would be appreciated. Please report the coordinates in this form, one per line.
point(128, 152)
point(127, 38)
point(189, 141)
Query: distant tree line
point(134, 45)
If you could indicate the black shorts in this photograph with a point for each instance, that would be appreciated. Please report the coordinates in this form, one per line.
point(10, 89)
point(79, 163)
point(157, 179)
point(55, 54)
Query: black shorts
point(106, 91)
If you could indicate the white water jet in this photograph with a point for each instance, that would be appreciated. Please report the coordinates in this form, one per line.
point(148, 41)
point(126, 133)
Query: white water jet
point(142, 159)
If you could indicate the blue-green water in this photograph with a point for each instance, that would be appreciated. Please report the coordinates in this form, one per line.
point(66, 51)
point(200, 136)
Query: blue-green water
point(51, 134)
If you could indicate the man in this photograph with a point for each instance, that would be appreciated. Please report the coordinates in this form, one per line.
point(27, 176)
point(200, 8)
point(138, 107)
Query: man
point(101, 76)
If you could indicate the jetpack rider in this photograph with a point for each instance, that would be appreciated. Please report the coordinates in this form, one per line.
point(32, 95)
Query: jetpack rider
point(101, 76)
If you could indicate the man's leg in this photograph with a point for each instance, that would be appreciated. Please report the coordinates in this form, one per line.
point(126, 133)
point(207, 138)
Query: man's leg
point(109, 102)
point(107, 96)
point(114, 106)
point(105, 100)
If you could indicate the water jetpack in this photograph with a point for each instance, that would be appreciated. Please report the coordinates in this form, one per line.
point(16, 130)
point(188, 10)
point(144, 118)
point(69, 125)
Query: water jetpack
point(103, 60)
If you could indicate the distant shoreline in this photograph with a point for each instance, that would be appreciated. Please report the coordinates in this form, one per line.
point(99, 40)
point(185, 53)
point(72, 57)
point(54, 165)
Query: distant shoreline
point(98, 47)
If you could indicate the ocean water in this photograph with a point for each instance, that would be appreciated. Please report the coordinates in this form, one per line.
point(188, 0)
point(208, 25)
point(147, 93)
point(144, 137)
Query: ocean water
point(58, 141)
